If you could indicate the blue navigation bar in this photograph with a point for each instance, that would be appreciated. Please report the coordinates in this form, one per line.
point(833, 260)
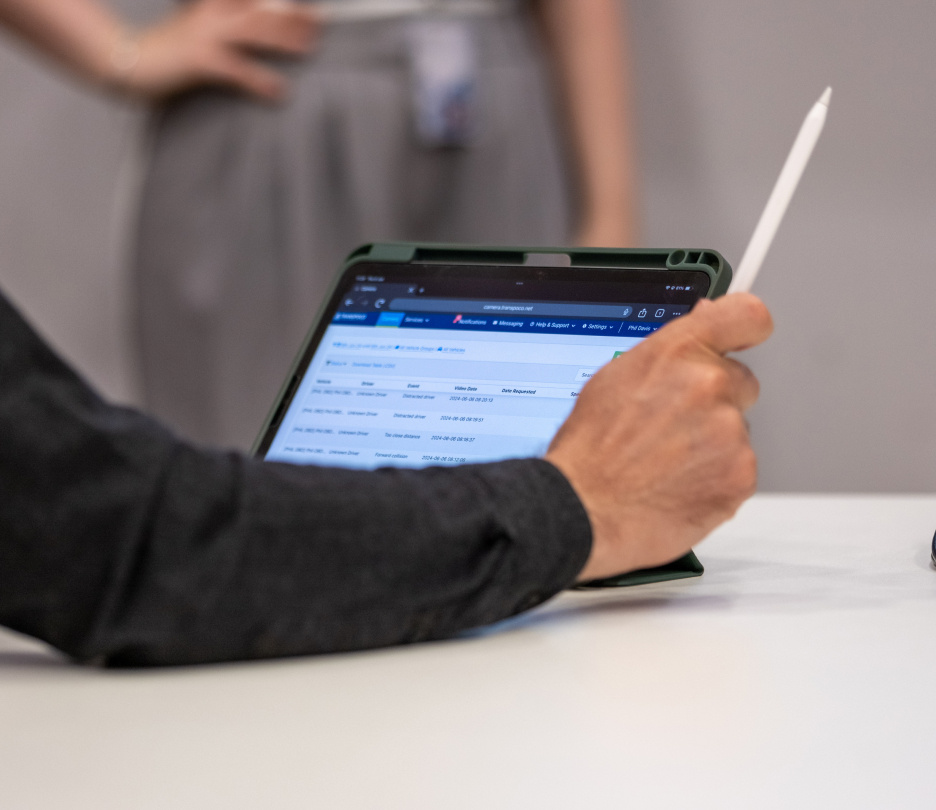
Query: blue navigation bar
point(500, 323)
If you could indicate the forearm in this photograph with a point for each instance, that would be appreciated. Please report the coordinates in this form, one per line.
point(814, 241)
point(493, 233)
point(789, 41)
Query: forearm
point(83, 35)
point(291, 560)
point(221, 558)
point(593, 78)
point(120, 543)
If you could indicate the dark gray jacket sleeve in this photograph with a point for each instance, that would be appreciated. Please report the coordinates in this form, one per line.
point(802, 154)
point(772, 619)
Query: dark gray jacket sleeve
point(120, 543)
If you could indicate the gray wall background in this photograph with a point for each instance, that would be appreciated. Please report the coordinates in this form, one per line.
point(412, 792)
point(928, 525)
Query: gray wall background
point(848, 382)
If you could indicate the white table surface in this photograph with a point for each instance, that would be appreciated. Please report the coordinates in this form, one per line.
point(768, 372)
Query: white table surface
point(799, 672)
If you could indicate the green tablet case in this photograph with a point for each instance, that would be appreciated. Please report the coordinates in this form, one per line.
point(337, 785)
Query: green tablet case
point(709, 262)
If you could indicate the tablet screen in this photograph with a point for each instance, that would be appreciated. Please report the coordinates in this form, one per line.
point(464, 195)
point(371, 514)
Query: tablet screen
point(419, 365)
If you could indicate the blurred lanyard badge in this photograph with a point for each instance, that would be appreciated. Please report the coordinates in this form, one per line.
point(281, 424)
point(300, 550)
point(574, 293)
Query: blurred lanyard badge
point(444, 70)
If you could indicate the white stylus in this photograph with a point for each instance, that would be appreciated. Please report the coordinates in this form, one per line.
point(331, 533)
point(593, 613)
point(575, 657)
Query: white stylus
point(780, 196)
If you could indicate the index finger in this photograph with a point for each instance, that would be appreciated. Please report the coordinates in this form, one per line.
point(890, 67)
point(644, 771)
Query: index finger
point(277, 26)
point(728, 324)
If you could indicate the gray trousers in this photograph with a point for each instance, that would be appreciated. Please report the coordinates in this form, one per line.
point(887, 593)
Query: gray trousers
point(248, 209)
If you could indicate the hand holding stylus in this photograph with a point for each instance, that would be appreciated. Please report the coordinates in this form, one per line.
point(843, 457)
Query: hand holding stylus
point(657, 447)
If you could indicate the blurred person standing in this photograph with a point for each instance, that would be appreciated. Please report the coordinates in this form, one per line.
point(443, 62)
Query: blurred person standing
point(477, 121)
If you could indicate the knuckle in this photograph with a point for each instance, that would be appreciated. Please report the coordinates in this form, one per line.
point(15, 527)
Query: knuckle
point(738, 483)
point(675, 357)
point(736, 428)
point(681, 345)
point(737, 475)
point(728, 431)
point(710, 382)
point(750, 379)
point(753, 388)
point(744, 474)
point(728, 427)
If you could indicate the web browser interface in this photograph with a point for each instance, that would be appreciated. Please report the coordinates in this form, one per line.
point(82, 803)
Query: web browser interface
point(448, 368)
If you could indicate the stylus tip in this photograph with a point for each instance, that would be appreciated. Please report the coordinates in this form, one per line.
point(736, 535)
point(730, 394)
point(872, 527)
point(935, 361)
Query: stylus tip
point(824, 98)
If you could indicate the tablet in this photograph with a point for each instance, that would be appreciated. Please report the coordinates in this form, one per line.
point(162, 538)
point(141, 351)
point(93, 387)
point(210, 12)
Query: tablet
point(427, 355)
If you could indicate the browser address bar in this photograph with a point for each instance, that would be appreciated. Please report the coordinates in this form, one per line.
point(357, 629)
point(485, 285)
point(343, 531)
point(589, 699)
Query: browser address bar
point(507, 308)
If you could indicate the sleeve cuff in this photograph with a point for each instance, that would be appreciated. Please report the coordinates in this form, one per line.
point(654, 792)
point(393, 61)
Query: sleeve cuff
point(547, 520)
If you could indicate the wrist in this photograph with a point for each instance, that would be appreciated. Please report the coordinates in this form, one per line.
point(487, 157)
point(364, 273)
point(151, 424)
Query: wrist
point(610, 553)
point(119, 59)
point(604, 557)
